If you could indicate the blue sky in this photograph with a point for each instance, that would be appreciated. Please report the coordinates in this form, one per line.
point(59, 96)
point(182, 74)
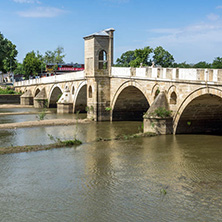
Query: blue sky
point(190, 30)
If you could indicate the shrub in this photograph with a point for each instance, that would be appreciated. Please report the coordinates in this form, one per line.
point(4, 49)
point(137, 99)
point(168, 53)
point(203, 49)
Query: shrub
point(162, 112)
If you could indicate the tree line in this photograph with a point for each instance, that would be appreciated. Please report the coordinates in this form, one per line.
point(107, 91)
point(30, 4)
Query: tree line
point(35, 63)
point(160, 57)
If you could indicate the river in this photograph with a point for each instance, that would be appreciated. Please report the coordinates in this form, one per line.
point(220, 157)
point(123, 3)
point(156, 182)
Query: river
point(163, 178)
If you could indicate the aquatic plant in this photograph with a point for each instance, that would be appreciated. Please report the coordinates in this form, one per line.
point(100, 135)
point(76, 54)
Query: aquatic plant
point(42, 114)
point(71, 142)
point(163, 191)
point(140, 128)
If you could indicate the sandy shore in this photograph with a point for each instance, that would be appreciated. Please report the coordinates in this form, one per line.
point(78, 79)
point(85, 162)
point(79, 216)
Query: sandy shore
point(48, 122)
point(23, 113)
point(9, 106)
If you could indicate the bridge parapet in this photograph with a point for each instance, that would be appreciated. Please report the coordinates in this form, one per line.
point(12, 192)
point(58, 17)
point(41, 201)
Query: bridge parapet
point(52, 79)
point(209, 75)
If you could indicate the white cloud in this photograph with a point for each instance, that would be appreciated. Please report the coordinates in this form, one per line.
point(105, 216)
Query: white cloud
point(213, 17)
point(41, 12)
point(219, 7)
point(27, 1)
point(192, 43)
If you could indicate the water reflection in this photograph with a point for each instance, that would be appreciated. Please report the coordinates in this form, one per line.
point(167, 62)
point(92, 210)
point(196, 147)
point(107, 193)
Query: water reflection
point(111, 181)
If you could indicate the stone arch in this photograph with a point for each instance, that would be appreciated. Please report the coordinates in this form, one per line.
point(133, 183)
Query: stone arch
point(200, 112)
point(130, 102)
point(90, 91)
point(80, 99)
point(54, 95)
point(155, 91)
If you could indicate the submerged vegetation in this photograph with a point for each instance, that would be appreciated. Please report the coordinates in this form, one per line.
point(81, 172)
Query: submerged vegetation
point(31, 148)
point(127, 137)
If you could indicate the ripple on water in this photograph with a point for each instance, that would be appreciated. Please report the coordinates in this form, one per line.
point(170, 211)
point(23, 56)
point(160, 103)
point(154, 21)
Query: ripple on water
point(115, 180)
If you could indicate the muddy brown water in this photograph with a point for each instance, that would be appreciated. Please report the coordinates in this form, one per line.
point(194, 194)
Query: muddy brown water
point(164, 178)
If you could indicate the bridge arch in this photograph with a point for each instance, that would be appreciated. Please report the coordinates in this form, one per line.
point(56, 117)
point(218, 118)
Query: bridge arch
point(130, 102)
point(54, 95)
point(200, 112)
point(80, 98)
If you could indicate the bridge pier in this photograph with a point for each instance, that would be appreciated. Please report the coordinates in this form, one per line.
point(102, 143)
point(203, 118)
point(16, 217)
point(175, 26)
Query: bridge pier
point(65, 103)
point(158, 117)
point(41, 101)
point(26, 98)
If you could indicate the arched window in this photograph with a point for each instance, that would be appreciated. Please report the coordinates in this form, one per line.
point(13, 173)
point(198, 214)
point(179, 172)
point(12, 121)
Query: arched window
point(73, 90)
point(156, 93)
point(102, 59)
point(37, 92)
point(90, 91)
point(173, 98)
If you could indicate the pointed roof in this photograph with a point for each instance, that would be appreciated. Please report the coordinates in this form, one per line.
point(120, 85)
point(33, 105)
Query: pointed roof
point(104, 32)
point(27, 94)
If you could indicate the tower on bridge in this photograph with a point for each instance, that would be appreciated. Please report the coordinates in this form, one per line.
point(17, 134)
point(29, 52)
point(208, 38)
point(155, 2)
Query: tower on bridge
point(98, 62)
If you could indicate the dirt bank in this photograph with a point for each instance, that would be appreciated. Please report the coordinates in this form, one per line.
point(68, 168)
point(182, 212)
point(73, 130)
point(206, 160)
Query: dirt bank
point(48, 122)
point(31, 148)
point(9, 106)
point(23, 113)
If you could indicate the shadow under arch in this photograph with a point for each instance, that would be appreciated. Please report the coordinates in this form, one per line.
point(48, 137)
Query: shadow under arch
point(80, 99)
point(54, 96)
point(36, 92)
point(130, 104)
point(200, 113)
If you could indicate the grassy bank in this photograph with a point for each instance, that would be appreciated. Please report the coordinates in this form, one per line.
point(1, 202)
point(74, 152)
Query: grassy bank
point(7, 91)
point(31, 148)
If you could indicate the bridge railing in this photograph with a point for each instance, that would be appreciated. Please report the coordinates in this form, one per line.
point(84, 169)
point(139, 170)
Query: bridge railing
point(52, 79)
point(210, 75)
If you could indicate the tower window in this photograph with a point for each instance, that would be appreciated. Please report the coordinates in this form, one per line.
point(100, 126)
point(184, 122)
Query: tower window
point(102, 59)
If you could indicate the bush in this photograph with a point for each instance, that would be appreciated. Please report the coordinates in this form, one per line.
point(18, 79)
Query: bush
point(162, 112)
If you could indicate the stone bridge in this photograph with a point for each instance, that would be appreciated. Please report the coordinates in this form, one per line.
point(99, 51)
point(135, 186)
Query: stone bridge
point(170, 100)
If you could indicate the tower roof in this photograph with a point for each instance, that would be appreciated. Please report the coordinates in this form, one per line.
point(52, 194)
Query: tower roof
point(104, 32)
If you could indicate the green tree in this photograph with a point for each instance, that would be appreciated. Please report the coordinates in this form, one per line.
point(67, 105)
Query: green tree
point(125, 59)
point(59, 55)
point(32, 64)
point(182, 65)
point(55, 57)
point(202, 65)
point(217, 63)
point(141, 56)
point(8, 54)
point(162, 57)
point(49, 57)
point(19, 69)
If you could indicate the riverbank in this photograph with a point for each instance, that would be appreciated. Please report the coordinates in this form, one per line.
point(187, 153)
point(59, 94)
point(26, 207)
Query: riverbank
point(23, 113)
point(10, 106)
point(32, 148)
point(48, 122)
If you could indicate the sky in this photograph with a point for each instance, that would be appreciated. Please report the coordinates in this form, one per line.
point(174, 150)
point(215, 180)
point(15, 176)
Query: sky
point(190, 30)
